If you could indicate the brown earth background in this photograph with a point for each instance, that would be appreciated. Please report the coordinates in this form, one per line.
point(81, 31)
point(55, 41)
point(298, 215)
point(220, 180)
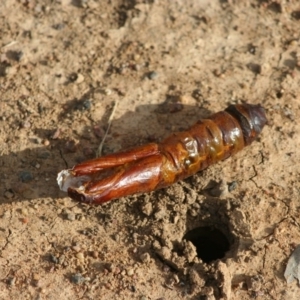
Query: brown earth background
point(63, 66)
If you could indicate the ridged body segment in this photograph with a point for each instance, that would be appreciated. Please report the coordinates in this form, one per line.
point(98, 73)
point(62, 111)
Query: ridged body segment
point(209, 141)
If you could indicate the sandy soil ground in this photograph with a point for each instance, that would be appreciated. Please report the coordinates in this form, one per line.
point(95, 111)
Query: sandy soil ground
point(63, 66)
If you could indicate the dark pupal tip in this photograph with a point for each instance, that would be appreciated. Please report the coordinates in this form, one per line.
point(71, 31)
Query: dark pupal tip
point(258, 116)
point(252, 118)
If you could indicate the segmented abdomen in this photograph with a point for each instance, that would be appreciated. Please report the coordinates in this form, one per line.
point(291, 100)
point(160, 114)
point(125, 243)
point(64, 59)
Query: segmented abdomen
point(210, 140)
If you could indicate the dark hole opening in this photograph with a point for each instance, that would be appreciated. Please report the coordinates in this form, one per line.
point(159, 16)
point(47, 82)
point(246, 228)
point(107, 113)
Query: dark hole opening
point(211, 243)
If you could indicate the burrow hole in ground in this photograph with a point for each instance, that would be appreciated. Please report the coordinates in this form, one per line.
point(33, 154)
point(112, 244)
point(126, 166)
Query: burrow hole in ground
point(211, 243)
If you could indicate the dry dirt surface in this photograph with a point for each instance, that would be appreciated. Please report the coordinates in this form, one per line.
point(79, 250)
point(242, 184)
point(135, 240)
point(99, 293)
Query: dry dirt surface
point(225, 233)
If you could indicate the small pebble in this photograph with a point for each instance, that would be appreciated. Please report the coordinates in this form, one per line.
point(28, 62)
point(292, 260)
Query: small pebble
point(145, 257)
point(11, 281)
point(26, 124)
point(254, 283)
point(95, 254)
point(38, 141)
point(76, 248)
point(107, 91)
point(130, 272)
point(56, 134)
point(80, 78)
point(36, 276)
point(53, 258)
point(110, 267)
point(71, 216)
point(160, 214)
point(136, 56)
point(77, 278)
point(80, 256)
point(73, 77)
point(232, 186)
point(24, 211)
point(117, 238)
point(147, 209)
point(176, 278)
point(61, 259)
point(107, 285)
point(219, 190)
point(25, 176)
point(152, 75)
point(176, 219)
point(25, 220)
point(185, 99)
point(58, 26)
point(137, 67)
point(80, 268)
point(86, 105)
point(133, 289)
point(193, 212)
point(46, 143)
